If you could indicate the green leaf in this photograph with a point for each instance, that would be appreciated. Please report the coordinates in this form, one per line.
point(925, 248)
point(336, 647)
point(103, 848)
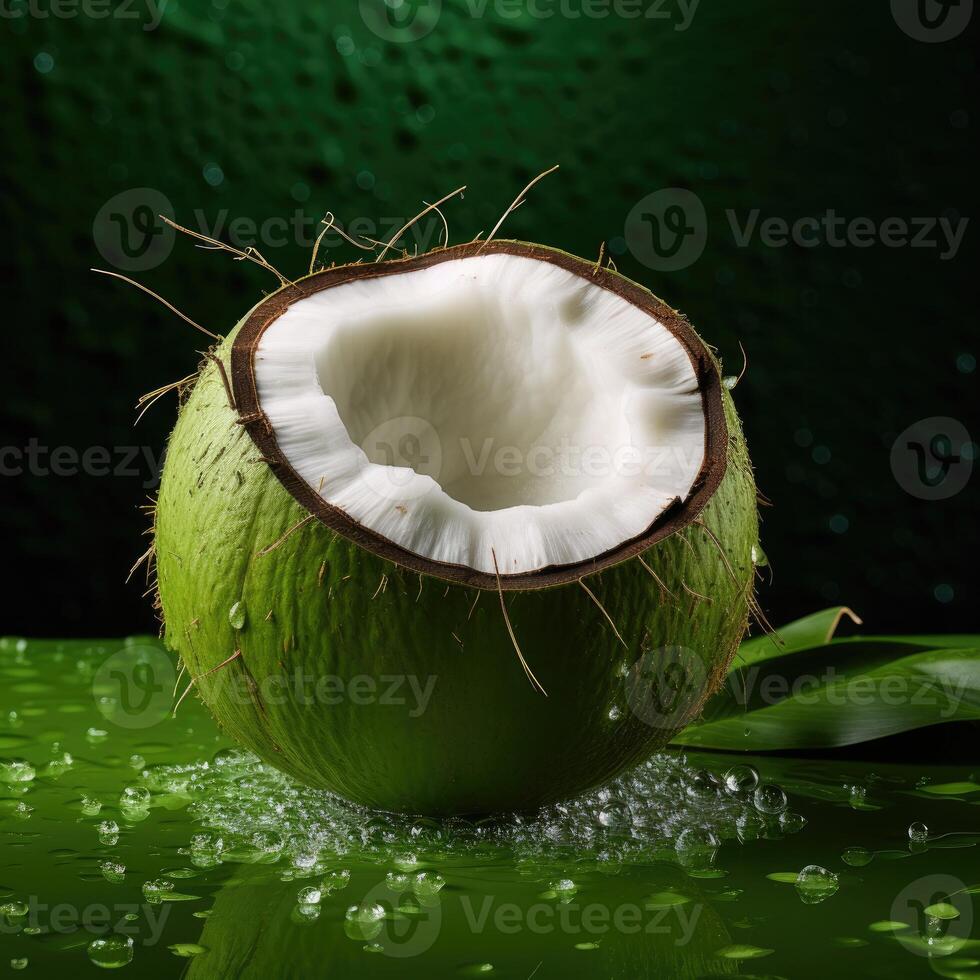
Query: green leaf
point(807, 690)
point(814, 630)
point(942, 910)
point(665, 900)
point(888, 925)
point(740, 951)
point(950, 789)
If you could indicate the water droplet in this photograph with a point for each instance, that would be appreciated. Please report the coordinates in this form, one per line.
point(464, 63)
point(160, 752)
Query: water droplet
point(91, 806)
point(857, 794)
point(857, 857)
point(918, 832)
point(109, 832)
point(615, 815)
point(750, 826)
point(134, 798)
point(405, 862)
point(564, 889)
point(154, 891)
point(113, 871)
point(364, 922)
point(14, 910)
point(111, 952)
point(19, 963)
point(759, 557)
point(704, 785)
point(615, 713)
point(60, 763)
point(741, 780)
point(428, 883)
point(309, 896)
point(16, 771)
point(769, 798)
point(730, 381)
point(696, 848)
point(790, 822)
point(333, 881)
point(814, 884)
point(306, 913)
point(236, 615)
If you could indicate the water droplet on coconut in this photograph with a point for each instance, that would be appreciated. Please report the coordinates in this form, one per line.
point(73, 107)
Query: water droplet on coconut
point(741, 780)
point(769, 798)
point(814, 884)
point(918, 832)
point(236, 615)
point(111, 952)
point(759, 557)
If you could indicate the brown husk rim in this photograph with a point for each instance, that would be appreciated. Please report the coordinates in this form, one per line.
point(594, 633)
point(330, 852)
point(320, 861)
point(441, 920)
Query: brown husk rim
point(675, 517)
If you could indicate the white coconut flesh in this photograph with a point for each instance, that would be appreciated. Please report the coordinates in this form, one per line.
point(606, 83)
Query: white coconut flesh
point(497, 412)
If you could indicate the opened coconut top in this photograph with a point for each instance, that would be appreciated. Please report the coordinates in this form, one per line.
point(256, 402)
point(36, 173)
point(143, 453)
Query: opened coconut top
point(499, 414)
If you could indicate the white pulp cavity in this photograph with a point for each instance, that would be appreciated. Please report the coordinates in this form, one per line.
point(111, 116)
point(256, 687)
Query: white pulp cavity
point(491, 406)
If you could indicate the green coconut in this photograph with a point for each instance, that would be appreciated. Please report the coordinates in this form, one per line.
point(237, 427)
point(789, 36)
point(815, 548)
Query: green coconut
point(434, 666)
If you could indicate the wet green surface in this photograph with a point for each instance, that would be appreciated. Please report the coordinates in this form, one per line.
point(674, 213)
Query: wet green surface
point(212, 852)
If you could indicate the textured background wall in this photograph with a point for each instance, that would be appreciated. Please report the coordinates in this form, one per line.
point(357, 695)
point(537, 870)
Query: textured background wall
point(250, 111)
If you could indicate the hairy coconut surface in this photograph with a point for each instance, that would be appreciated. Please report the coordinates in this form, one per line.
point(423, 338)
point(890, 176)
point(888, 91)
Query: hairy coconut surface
point(394, 681)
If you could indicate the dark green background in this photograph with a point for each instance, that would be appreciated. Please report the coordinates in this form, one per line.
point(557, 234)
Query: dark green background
point(257, 110)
